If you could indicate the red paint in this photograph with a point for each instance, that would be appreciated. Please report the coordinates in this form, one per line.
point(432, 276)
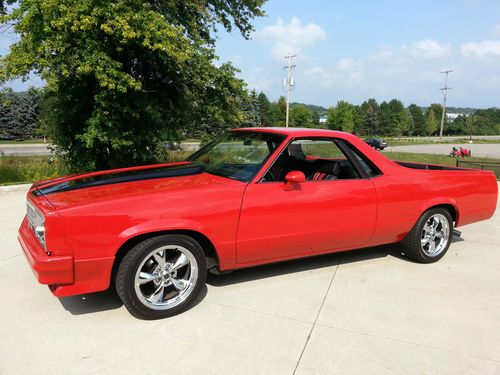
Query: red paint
point(248, 224)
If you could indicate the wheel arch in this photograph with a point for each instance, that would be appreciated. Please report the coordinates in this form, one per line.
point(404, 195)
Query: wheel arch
point(205, 243)
point(451, 208)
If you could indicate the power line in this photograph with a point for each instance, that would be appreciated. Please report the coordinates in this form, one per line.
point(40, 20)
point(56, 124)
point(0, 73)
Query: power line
point(445, 93)
point(289, 84)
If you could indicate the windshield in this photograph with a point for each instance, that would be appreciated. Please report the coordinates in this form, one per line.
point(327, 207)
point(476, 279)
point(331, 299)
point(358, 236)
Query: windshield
point(237, 155)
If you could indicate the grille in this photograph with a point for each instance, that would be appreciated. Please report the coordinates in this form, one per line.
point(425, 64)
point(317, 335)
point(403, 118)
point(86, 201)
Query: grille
point(31, 214)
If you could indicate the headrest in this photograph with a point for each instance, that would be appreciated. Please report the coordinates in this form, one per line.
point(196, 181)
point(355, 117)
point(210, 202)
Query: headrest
point(295, 151)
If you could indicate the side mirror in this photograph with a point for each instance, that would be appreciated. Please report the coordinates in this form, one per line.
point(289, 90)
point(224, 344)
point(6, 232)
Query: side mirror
point(295, 176)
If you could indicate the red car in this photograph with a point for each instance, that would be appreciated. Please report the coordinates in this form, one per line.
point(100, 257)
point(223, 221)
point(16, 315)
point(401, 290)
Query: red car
point(252, 196)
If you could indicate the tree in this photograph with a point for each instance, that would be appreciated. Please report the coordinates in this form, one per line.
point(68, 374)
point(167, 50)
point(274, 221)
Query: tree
point(278, 112)
point(431, 122)
point(342, 117)
point(19, 114)
point(418, 120)
point(264, 106)
point(121, 76)
point(251, 110)
point(394, 119)
point(369, 110)
point(437, 112)
point(301, 116)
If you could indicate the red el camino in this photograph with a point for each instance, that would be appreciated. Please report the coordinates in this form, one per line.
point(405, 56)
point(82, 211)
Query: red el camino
point(252, 196)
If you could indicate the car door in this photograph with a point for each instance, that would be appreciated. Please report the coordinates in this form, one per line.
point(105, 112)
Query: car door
point(279, 222)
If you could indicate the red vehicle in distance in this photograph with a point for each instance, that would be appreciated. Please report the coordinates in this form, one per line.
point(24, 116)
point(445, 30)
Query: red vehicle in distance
point(459, 152)
point(250, 197)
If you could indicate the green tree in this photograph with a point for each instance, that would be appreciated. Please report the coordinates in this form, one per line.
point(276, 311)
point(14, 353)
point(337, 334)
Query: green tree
point(394, 119)
point(342, 116)
point(418, 120)
point(278, 112)
point(19, 114)
point(487, 121)
point(121, 76)
point(251, 110)
point(431, 122)
point(301, 116)
point(264, 106)
point(369, 110)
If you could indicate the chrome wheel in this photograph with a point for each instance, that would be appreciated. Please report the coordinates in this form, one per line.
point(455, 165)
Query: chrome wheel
point(435, 235)
point(166, 277)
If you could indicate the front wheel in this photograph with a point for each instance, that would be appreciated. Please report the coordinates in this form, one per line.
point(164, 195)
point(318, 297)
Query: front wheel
point(161, 276)
point(431, 236)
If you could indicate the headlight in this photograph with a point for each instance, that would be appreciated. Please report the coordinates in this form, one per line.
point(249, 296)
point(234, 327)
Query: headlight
point(36, 222)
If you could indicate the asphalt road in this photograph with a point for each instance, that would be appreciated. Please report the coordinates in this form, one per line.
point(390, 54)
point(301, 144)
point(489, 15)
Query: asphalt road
point(362, 312)
point(486, 150)
point(24, 149)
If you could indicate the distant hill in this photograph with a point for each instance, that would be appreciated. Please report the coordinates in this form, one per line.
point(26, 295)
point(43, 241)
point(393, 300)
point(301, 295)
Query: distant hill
point(312, 107)
point(466, 110)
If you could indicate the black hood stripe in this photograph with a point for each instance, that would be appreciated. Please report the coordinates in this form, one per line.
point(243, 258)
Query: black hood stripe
point(120, 177)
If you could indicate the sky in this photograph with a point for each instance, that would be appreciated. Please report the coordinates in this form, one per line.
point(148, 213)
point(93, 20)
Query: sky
point(354, 50)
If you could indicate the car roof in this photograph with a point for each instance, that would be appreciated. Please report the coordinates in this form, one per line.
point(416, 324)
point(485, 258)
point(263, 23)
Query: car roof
point(296, 132)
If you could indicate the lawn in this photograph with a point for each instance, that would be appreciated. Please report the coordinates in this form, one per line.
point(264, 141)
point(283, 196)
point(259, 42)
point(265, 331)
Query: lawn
point(443, 160)
point(27, 169)
point(425, 141)
point(26, 141)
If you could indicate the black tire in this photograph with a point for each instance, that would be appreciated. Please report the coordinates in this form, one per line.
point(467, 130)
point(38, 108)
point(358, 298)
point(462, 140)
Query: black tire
point(140, 257)
point(412, 243)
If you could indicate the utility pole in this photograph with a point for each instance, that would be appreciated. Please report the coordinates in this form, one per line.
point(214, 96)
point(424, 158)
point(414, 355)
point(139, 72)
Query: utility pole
point(288, 84)
point(445, 92)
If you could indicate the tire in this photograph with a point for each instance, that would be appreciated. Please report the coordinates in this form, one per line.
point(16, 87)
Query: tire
point(161, 276)
point(430, 237)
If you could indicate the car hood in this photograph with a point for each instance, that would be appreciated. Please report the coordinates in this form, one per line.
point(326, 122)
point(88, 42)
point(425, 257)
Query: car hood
point(123, 183)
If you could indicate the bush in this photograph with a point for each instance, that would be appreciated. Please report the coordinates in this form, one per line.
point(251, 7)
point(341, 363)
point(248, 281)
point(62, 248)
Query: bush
point(28, 169)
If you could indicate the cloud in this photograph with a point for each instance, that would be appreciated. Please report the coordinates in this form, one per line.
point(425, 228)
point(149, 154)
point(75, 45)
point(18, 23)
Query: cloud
point(293, 37)
point(482, 49)
point(496, 29)
point(428, 49)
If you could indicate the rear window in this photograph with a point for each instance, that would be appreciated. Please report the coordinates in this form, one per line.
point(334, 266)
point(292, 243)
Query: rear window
point(370, 169)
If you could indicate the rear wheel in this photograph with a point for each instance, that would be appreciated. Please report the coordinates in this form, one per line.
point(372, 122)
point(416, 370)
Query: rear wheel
point(431, 236)
point(161, 276)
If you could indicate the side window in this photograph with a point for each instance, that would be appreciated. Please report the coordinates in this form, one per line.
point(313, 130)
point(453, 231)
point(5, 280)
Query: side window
point(370, 169)
point(318, 159)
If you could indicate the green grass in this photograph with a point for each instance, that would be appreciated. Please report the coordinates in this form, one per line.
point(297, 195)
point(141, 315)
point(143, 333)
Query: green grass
point(27, 169)
point(431, 158)
point(444, 160)
point(408, 142)
point(26, 141)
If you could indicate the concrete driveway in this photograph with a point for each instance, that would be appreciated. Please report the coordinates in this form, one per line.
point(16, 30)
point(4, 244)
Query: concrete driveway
point(362, 312)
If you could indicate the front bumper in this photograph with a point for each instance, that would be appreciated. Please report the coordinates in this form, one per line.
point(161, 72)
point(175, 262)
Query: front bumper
point(48, 269)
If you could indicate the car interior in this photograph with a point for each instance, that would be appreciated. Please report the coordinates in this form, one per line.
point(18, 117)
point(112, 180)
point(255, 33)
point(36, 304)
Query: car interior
point(331, 164)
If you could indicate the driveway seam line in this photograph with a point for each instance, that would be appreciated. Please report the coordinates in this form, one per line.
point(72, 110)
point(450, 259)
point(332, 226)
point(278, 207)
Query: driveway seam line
point(257, 312)
point(317, 315)
point(407, 342)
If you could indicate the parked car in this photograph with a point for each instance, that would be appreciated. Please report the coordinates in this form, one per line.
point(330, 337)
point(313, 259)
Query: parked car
point(376, 143)
point(251, 197)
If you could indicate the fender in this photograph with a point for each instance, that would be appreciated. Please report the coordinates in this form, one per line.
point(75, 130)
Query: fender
point(226, 252)
point(438, 201)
